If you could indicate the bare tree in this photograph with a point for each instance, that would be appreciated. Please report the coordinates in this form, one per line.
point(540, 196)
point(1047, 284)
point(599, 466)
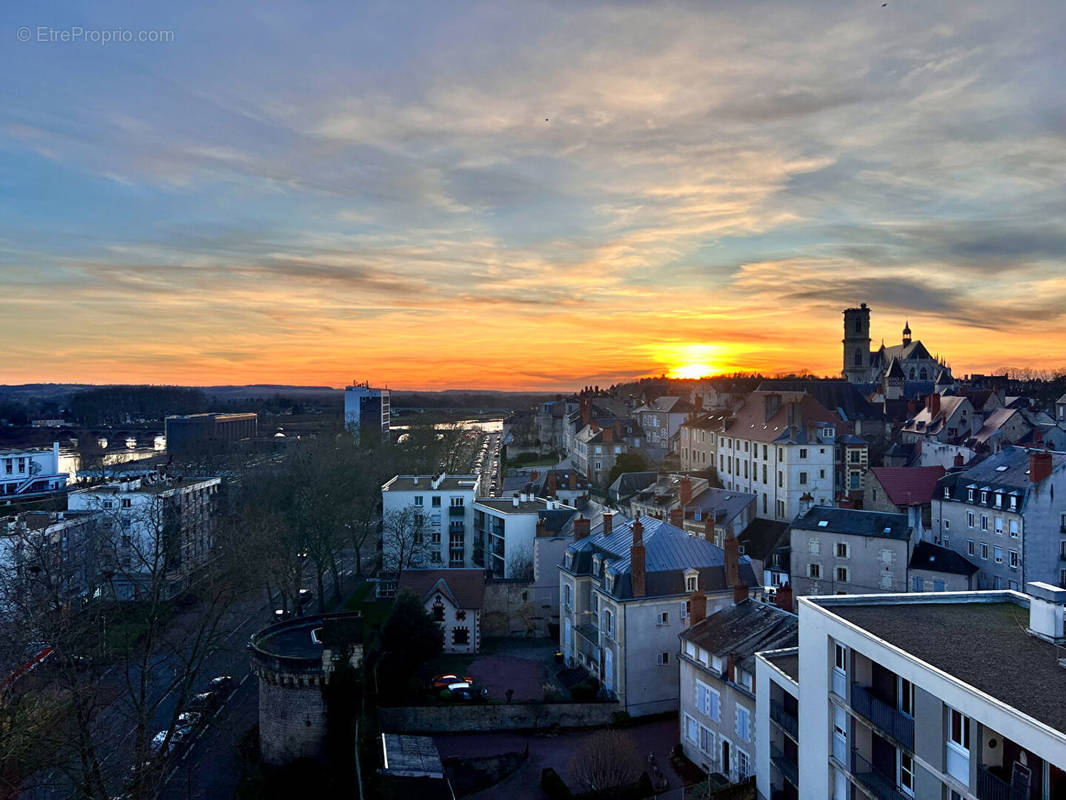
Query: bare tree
point(606, 760)
point(403, 541)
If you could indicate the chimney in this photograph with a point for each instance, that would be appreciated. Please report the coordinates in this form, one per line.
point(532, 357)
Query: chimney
point(732, 560)
point(637, 560)
point(793, 415)
point(608, 523)
point(697, 403)
point(933, 404)
point(533, 476)
point(959, 460)
point(608, 434)
point(740, 593)
point(685, 491)
point(1038, 435)
point(542, 527)
point(553, 483)
point(1046, 611)
point(581, 528)
point(697, 608)
point(586, 410)
point(677, 517)
point(784, 597)
point(912, 407)
point(514, 500)
point(708, 527)
point(1040, 465)
point(771, 403)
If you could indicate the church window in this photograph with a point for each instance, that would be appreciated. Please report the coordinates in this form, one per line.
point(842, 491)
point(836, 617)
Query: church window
point(858, 358)
point(912, 373)
point(858, 325)
point(923, 375)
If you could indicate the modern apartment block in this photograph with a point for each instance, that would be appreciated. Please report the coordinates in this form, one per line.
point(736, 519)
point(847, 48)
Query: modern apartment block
point(628, 590)
point(1007, 515)
point(367, 412)
point(191, 435)
point(442, 507)
point(505, 530)
point(946, 696)
point(777, 724)
point(30, 472)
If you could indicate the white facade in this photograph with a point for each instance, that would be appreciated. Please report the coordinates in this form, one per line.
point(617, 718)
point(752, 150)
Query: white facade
point(507, 530)
point(444, 504)
point(367, 410)
point(28, 472)
point(779, 474)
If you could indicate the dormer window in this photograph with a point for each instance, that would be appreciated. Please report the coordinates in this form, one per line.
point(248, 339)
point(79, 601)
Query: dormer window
point(947, 493)
point(999, 500)
point(969, 495)
point(1013, 503)
point(691, 581)
point(984, 497)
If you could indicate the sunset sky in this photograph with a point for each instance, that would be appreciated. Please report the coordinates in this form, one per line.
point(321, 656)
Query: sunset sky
point(526, 195)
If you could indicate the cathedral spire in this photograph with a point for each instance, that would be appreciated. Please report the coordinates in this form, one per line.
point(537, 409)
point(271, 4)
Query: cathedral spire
point(906, 333)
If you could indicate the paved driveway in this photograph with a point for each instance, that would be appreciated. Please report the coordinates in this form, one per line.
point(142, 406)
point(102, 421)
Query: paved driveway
point(554, 751)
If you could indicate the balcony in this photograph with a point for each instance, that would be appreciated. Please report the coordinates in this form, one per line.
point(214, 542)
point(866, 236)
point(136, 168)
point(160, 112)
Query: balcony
point(456, 511)
point(457, 526)
point(788, 722)
point(786, 766)
point(873, 778)
point(884, 717)
point(991, 787)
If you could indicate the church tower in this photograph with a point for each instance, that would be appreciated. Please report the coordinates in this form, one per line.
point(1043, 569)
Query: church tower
point(906, 333)
point(857, 344)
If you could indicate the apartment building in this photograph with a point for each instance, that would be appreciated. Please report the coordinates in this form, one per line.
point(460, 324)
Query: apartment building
point(904, 490)
point(1007, 515)
point(597, 446)
point(781, 447)
point(367, 412)
point(777, 724)
point(505, 531)
point(841, 550)
point(954, 695)
point(627, 590)
point(161, 528)
point(443, 512)
point(192, 435)
point(661, 418)
point(30, 472)
point(717, 680)
point(60, 550)
point(696, 443)
point(949, 419)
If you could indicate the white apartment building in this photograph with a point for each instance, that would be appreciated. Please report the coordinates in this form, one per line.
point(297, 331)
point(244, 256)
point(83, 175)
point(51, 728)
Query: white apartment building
point(946, 695)
point(443, 508)
point(59, 549)
point(505, 530)
point(159, 528)
point(30, 472)
point(780, 447)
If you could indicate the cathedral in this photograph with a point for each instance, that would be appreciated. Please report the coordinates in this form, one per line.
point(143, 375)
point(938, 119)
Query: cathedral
point(909, 361)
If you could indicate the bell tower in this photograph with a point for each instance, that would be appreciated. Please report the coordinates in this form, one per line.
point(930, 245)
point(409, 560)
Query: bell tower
point(856, 344)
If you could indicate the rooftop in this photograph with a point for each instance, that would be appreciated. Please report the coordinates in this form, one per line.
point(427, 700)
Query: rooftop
point(465, 587)
point(909, 486)
point(856, 523)
point(933, 557)
point(506, 505)
point(290, 641)
point(788, 661)
point(943, 634)
point(744, 629)
point(447, 483)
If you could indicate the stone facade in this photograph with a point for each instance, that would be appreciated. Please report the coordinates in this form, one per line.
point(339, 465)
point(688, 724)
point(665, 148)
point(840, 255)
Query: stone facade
point(497, 717)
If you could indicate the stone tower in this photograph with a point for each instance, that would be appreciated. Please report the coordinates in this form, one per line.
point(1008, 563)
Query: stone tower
point(857, 344)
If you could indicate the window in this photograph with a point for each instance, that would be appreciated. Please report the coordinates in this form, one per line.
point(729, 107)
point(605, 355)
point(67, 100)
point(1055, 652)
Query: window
point(842, 549)
point(803, 452)
point(984, 552)
point(906, 697)
point(690, 583)
point(1015, 562)
point(984, 497)
point(999, 554)
point(1013, 503)
point(567, 597)
point(460, 636)
point(664, 618)
point(984, 522)
point(842, 575)
point(999, 525)
point(608, 621)
point(906, 773)
point(969, 495)
point(706, 740)
point(971, 547)
point(436, 502)
point(708, 701)
point(939, 585)
point(743, 765)
point(997, 500)
point(947, 493)
point(1013, 526)
point(743, 724)
point(438, 610)
point(886, 581)
point(692, 731)
point(947, 524)
point(969, 519)
point(840, 658)
point(126, 502)
point(662, 659)
point(918, 584)
point(814, 571)
point(814, 546)
point(959, 730)
point(803, 479)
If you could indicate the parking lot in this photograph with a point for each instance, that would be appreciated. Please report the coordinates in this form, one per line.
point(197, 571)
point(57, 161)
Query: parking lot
point(524, 665)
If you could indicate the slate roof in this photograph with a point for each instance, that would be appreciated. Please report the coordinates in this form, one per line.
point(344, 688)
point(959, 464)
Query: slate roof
point(914, 351)
point(465, 587)
point(876, 524)
point(993, 422)
point(843, 397)
point(927, 424)
point(933, 557)
point(984, 645)
point(763, 536)
point(750, 421)
point(629, 483)
point(909, 486)
point(669, 551)
point(986, 474)
point(744, 629)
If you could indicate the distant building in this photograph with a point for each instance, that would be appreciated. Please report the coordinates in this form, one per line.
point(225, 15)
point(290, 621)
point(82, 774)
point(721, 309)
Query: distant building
point(454, 598)
point(940, 569)
point(861, 365)
point(160, 528)
point(661, 418)
point(903, 490)
point(63, 547)
point(48, 423)
point(442, 506)
point(367, 411)
point(192, 435)
point(30, 472)
point(627, 591)
point(960, 695)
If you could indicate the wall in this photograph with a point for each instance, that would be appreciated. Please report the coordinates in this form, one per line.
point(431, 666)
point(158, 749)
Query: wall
point(865, 563)
point(292, 722)
point(510, 608)
point(496, 717)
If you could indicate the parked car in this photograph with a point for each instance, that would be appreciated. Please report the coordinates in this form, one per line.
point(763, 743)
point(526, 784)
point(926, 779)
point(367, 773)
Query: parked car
point(305, 596)
point(205, 702)
point(222, 684)
point(444, 681)
point(467, 692)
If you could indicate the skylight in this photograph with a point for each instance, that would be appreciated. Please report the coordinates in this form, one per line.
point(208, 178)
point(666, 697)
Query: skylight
point(823, 523)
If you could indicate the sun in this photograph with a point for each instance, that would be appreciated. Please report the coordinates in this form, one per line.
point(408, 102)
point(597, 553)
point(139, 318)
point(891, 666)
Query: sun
point(692, 371)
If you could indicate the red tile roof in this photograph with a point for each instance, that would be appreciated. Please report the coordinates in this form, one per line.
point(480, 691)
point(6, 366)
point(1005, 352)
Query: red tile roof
point(909, 486)
point(466, 586)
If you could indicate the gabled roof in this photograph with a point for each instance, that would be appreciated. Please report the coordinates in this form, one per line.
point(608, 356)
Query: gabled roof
point(849, 521)
point(843, 397)
point(744, 629)
point(895, 370)
point(464, 587)
point(909, 486)
point(629, 483)
point(763, 536)
point(903, 352)
point(993, 422)
point(750, 421)
point(933, 557)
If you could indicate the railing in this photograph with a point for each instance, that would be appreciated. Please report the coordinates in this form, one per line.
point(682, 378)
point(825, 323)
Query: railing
point(874, 778)
point(992, 787)
point(788, 722)
point(456, 511)
point(788, 767)
point(887, 719)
